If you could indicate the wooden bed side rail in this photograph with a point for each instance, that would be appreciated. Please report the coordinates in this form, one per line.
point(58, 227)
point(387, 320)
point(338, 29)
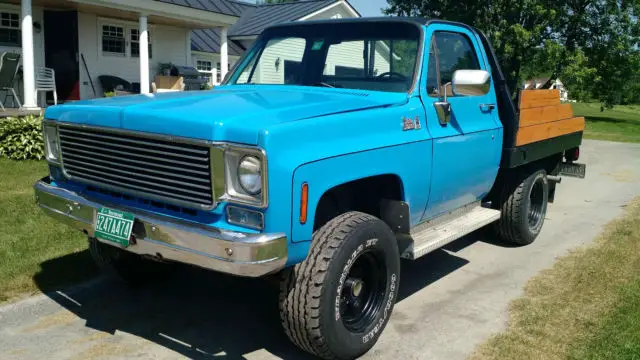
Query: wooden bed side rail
point(543, 116)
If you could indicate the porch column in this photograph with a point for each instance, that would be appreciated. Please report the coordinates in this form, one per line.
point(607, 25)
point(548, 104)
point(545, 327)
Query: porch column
point(144, 55)
point(28, 67)
point(224, 53)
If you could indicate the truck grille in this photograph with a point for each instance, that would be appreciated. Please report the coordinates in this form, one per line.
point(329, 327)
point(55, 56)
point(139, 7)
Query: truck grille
point(158, 169)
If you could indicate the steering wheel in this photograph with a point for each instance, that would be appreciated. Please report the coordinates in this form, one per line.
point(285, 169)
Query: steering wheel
point(391, 74)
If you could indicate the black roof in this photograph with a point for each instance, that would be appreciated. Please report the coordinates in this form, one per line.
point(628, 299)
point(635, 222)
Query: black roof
point(260, 17)
point(253, 20)
point(411, 20)
point(227, 7)
point(208, 40)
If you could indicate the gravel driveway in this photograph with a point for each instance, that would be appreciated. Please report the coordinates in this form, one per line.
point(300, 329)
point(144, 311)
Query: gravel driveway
point(449, 301)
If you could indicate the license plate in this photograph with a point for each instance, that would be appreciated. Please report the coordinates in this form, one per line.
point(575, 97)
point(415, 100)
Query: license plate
point(114, 225)
point(573, 169)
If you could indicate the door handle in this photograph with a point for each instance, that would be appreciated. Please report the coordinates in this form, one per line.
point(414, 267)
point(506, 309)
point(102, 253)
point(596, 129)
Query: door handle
point(487, 107)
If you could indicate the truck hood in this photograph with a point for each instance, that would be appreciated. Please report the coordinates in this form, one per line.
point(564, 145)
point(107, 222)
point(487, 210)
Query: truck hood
point(228, 113)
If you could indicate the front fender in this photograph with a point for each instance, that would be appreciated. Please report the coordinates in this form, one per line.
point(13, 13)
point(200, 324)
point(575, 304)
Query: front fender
point(410, 162)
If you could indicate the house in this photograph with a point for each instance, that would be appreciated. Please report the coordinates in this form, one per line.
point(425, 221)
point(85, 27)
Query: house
point(547, 83)
point(84, 39)
point(205, 43)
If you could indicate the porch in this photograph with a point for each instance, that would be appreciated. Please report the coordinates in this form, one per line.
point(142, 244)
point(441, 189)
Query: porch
point(13, 112)
point(83, 40)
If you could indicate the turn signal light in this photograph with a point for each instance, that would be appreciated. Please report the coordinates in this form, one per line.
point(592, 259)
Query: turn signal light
point(304, 200)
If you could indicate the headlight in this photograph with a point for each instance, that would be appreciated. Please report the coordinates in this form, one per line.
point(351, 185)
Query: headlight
point(245, 176)
point(51, 145)
point(250, 174)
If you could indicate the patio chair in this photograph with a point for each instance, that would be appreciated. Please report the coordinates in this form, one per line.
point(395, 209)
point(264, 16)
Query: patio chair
point(8, 68)
point(46, 81)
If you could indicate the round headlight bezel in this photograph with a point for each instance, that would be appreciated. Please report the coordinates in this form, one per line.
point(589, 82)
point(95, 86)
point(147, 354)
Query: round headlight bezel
point(251, 161)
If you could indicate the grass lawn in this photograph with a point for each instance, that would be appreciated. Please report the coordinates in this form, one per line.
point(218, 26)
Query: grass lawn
point(30, 242)
point(586, 307)
point(622, 123)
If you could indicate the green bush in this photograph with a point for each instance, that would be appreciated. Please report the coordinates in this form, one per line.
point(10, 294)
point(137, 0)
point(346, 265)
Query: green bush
point(21, 138)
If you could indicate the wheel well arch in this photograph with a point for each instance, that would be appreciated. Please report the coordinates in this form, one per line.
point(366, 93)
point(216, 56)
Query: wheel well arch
point(363, 194)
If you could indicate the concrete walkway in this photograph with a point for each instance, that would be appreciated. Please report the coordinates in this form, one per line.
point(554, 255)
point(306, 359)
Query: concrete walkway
point(449, 301)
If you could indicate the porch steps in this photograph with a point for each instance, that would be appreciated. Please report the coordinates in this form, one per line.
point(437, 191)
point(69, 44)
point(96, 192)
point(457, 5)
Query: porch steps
point(433, 234)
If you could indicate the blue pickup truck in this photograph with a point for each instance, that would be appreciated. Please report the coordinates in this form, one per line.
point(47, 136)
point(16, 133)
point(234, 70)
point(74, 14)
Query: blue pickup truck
point(333, 150)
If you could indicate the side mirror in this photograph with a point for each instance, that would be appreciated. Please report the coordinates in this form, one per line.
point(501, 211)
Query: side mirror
point(471, 82)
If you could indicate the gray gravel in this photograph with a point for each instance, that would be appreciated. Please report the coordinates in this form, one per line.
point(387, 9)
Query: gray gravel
point(449, 301)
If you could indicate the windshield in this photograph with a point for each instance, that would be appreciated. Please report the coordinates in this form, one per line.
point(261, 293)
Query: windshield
point(377, 56)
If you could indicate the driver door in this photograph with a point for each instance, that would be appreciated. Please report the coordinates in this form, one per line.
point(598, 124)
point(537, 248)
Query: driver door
point(466, 149)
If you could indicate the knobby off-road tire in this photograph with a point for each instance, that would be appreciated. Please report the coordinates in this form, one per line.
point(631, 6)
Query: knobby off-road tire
point(353, 264)
point(523, 206)
point(127, 267)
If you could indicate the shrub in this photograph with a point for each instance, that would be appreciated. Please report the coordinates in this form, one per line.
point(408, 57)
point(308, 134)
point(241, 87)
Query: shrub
point(109, 94)
point(21, 138)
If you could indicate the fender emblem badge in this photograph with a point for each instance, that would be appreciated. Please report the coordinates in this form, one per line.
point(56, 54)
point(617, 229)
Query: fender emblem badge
point(411, 124)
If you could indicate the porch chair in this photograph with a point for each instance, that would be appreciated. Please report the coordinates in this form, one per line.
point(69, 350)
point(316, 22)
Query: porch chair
point(8, 68)
point(46, 81)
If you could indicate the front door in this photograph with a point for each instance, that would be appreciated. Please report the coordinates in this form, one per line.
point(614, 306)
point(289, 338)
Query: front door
point(467, 150)
point(61, 52)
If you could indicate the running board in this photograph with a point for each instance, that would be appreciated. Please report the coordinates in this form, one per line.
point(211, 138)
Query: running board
point(433, 234)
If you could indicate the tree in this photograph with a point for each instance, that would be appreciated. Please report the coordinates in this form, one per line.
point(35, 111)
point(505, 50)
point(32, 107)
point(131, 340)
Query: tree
point(592, 45)
point(515, 27)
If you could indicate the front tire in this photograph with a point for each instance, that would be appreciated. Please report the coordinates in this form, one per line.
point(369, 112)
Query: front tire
point(336, 303)
point(523, 206)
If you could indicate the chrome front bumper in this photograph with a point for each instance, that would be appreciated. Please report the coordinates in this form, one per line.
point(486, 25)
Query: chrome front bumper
point(238, 253)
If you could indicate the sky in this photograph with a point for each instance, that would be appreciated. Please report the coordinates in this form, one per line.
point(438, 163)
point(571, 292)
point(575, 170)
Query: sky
point(369, 7)
point(364, 7)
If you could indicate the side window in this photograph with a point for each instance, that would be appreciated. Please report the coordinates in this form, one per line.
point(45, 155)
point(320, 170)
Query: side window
point(455, 52)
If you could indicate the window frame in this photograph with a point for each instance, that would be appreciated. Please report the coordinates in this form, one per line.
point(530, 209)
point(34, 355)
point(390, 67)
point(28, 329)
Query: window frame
point(131, 41)
point(18, 29)
point(127, 26)
point(205, 72)
point(433, 45)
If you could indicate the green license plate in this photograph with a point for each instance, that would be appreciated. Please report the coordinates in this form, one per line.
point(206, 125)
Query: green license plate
point(114, 225)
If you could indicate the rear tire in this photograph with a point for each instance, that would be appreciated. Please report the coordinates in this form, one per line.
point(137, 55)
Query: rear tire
point(523, 204)
point(125, 266)
point(336, 303)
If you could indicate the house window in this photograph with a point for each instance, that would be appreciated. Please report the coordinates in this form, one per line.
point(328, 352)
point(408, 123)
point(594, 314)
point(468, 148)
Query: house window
point(205, 67)
point(219, 73)
point(135, 42)
point(113, 40)
point(10, 28)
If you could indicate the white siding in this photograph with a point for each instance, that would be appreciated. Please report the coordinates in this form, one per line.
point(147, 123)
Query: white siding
point(168, 43)
point(38, 45)
point(38, 38)
point(215, 60)
point(290, 49)
point(349, 54)
point(334, 12)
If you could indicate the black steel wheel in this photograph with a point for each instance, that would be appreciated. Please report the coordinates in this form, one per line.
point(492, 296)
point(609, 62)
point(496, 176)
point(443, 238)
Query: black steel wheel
point(523, 205)
point(537, 203)
point(362, 294)
point(336, 303)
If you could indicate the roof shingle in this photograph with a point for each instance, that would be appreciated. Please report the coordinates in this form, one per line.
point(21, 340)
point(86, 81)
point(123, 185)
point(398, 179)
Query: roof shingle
point(227, 7)
point(258, 18)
